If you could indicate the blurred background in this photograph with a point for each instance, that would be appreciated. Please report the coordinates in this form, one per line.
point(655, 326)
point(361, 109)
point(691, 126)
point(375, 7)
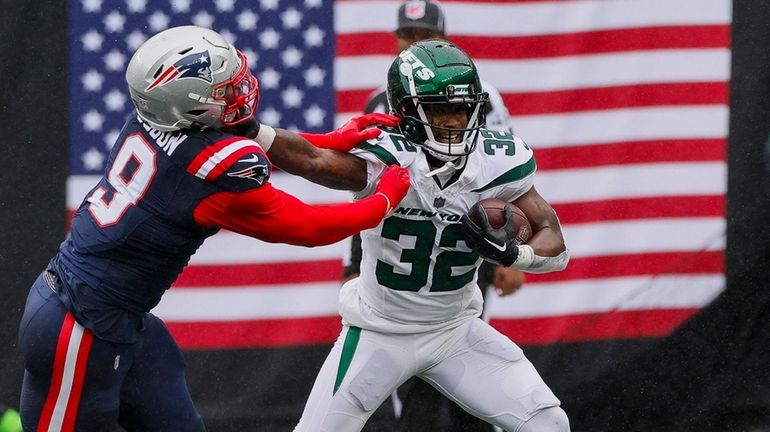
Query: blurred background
point(650, 122)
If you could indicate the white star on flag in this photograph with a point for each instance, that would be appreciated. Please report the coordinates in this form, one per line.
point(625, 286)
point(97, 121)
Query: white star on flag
point(93, 159)
point(114, 22)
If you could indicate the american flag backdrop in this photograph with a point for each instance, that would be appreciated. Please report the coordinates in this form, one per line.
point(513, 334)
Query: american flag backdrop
point(625, 103)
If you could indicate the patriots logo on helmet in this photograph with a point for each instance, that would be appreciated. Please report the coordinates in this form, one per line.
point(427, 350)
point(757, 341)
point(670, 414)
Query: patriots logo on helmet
point(258, 172)
point(195, 65)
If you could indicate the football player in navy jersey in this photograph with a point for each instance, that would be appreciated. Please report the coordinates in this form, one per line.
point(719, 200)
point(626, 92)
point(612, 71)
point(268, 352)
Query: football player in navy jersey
point(94, 355)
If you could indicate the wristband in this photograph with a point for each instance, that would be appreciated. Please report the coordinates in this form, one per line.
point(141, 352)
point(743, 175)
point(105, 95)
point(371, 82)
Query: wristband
point(387, 202)
point(525, 258)
point(265, 137)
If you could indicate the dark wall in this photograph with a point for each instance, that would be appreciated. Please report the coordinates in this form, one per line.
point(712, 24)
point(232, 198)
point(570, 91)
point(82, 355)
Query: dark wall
point(33, 109)
point(749, 147)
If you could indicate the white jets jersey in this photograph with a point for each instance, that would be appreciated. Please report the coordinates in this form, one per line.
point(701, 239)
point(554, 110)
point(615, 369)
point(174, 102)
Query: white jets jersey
point(417, 274)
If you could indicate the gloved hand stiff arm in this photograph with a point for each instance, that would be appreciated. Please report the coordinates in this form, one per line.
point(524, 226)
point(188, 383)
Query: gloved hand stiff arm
point(393, 185)
point(352, 133)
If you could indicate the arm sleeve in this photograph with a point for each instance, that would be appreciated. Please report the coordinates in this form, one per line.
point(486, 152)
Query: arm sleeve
point(274, 216)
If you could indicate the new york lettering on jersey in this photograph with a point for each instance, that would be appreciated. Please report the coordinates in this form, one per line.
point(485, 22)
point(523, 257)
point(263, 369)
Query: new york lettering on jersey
point(137, 224)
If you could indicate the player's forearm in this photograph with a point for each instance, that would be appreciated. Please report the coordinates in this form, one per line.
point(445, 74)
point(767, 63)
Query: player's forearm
point(547, 239)
point(277, 217)
point(547, 242)
point(295, 155)
point(546, 251)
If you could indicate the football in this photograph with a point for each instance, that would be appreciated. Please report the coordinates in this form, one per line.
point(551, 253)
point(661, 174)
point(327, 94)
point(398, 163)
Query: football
point(494, 210)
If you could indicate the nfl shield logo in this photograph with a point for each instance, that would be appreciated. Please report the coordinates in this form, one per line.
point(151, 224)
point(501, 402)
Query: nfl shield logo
point(439, 202)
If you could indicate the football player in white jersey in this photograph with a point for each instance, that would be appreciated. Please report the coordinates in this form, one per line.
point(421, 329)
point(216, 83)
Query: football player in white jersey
point(414, 310)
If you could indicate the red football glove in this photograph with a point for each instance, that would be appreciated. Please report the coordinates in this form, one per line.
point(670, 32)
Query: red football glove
point(352, 133)
point(393, 185)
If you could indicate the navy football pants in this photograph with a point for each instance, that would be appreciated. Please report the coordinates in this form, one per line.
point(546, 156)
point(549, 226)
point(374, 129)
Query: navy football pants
point(75, 381)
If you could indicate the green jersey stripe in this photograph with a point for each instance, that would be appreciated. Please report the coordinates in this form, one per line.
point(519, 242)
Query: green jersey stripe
point(348, 348)
point(511, 175)
point(381, 153)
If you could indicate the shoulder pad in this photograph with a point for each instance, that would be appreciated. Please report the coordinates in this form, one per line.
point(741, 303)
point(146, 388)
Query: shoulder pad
point(234, 163)
point(390, 147)
point(507, 159)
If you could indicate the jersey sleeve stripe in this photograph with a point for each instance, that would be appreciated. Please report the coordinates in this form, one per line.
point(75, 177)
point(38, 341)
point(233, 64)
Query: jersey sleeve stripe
point(381, 153)
point(512, 175)
point(208, 152)
point(218, 162)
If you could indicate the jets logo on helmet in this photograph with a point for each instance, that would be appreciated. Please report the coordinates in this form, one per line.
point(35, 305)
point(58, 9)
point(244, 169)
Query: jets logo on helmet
point(433, 76)
point(413, 66)
point(196, 65)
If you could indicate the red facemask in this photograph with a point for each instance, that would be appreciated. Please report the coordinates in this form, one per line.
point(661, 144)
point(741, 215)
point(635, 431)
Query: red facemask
point(240, 94)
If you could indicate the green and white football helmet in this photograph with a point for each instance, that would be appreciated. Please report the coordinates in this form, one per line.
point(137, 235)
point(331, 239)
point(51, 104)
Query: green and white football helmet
point(435, 75)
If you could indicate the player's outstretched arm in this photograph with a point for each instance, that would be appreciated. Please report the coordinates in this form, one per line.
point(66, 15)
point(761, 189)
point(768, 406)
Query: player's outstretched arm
point(274, 216)
point(308, 155)
point(353, 132)
point(294, 154)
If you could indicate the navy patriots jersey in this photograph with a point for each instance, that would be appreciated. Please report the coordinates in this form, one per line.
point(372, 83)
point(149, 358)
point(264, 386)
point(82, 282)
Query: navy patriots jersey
point(135, 231)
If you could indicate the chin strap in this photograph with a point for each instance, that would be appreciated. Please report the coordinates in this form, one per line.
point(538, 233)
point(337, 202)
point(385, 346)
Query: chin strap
point(449, 165)
point(454, 164)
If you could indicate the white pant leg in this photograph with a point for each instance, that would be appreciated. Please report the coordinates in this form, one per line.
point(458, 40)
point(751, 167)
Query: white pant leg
point(365, 373)
point(488, 375)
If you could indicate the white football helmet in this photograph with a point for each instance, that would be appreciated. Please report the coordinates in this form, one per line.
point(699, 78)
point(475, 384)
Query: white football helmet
point(191, 75)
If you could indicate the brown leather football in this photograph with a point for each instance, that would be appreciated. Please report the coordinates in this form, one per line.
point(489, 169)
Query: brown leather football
point(494, 210)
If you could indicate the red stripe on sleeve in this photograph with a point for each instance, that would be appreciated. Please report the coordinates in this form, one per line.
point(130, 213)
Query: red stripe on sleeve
point(209, 151)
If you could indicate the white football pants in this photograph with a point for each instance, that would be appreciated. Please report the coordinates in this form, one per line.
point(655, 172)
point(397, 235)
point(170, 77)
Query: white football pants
point(474, 365)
